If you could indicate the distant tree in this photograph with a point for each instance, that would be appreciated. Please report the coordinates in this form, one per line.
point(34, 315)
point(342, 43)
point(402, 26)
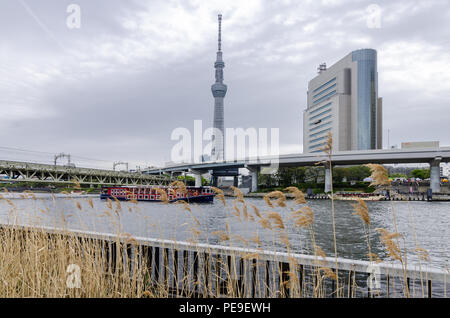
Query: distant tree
point(299, 175)
point(190, 180)
point(420, 173)
point(339, 173)
point(288, 176)
point(312, 174)
point(268, 180)
point(358, 173)
point(285, 176)
point(398, 175)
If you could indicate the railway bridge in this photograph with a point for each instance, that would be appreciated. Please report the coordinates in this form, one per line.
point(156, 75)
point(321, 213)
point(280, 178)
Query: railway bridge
point(16, 171)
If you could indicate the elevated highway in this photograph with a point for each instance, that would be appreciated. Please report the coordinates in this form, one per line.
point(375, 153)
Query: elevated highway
point(432, 156)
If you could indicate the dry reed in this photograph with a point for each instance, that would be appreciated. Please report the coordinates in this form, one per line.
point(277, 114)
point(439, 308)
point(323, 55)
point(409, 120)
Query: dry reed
point(34, 264)
point(280, 199)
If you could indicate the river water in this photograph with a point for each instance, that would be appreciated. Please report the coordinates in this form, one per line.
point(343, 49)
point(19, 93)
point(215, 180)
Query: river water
point(422, 224)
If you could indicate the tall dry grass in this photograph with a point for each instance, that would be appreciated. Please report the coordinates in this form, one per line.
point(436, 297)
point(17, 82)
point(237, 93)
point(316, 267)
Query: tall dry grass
point(34, 263)
point(328, 149)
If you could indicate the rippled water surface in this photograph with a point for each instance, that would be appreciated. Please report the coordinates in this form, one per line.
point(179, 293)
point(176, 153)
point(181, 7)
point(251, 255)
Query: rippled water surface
point(423, 224)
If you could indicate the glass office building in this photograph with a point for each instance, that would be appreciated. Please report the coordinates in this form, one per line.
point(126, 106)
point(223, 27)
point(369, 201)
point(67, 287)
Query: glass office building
point(343, 99)
point(367, 84)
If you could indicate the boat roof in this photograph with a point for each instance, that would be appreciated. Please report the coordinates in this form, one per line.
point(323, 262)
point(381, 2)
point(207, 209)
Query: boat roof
point(153, 186)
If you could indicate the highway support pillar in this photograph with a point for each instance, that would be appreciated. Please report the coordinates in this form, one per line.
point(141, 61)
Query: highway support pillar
point(198, 177)
point(435, 175)
point(327, 177)
point(236, 181)
point(214, 181)
point(198, 180)
point(254, 174)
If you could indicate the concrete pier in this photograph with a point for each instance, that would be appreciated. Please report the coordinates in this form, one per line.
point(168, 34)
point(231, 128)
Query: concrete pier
point(435, 175)
point(327, 178)
point(198, 177)
point(198, 180)
point(254, 174)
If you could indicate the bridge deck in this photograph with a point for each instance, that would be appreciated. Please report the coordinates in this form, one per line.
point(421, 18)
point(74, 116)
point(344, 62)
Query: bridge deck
point(36, 172)
point(338, 158)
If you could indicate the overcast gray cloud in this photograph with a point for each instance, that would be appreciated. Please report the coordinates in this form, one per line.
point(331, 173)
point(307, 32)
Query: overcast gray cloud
point(116, 88)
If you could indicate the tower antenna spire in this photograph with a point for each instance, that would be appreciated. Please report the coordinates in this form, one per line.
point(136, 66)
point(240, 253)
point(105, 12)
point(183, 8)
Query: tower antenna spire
point(219, 90)
point(220, 32)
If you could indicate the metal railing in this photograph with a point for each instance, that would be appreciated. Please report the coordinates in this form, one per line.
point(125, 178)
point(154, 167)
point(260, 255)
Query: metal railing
point(205, 270)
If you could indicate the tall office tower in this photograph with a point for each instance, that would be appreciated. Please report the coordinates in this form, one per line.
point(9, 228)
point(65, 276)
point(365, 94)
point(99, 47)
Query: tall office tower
point(219, 89)
point(344, 99)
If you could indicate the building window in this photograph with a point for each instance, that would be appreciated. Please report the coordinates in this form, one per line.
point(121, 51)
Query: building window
point(318, 115)
point(318, 145)
point(320, 120)
point(323, 85)
point(319, 108)
point(325, 97)
point(320, 126)
point(320, 132)
point(317, 139)
point(324, 91)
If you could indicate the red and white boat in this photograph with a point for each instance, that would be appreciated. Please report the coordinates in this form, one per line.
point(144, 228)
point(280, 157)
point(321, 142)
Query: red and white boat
point(149, 193)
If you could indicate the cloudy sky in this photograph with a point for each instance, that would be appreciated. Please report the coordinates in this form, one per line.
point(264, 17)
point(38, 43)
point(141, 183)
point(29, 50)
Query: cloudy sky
point(115, 88)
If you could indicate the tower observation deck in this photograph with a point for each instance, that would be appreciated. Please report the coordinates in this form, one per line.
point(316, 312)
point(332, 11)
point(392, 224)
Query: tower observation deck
point(219, 90)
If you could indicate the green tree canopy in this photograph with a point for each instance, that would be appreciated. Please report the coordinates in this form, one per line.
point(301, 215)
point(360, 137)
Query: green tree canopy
point(420, 173)
point(398, 175)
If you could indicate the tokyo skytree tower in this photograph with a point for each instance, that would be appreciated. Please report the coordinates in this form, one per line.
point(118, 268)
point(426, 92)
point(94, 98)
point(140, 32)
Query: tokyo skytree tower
point(219, 90)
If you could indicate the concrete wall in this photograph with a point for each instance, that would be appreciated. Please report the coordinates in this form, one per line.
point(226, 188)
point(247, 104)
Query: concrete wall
point(380, 123)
